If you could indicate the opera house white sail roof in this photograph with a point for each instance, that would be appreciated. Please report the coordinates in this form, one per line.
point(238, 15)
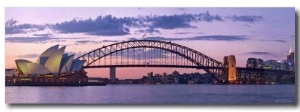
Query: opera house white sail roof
point(51, 61)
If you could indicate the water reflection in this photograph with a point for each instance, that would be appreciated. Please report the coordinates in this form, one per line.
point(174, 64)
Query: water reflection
point(154, 94)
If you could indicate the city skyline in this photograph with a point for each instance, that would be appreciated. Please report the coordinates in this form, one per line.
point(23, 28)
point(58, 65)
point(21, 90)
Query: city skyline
point(216, 32)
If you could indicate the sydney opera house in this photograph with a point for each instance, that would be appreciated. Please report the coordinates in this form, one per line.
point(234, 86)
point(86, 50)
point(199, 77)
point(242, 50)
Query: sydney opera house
point(53, 67)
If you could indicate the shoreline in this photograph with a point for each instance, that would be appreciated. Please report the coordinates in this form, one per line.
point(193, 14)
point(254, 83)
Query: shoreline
point(56, 84)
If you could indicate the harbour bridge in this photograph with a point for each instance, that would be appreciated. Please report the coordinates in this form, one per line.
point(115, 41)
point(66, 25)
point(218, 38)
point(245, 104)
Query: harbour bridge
point(154, 53)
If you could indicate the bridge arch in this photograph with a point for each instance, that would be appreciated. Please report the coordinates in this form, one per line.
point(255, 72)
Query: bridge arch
point(200, 60)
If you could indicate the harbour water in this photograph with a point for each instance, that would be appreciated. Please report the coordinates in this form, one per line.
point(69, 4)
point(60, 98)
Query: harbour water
point(153, 94)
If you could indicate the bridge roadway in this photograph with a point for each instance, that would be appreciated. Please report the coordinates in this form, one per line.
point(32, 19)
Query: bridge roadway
point(167, 66)
point(183, 66)
point(196, 67)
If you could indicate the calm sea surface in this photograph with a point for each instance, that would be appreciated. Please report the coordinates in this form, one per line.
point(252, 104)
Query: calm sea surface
point(154, 94)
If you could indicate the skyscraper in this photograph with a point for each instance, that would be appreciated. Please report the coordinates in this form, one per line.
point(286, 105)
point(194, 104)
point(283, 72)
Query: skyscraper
point(254, 63)
point(260, 63)
point(290, 57)
point(251, 63)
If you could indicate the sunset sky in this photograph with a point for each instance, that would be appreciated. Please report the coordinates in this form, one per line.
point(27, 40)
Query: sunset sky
point(266, 33)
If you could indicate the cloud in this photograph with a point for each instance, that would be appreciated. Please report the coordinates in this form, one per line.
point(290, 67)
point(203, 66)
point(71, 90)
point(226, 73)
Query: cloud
point(181, 8)
point(260, 53)
point(105, 26)
point(173, 21)
point(86, 42)
point(182, 33)
point(37, 38)
point(189, 33)
point(245, 18)
point(161, 38)
point(149, 30)
point(32, 39)
point(246, 25)
point(181, 21)
point(209, 37)
point(23, 28)
point(10, 23)
point(268, 54)
point(132, 38)
point(220, 37)
point(29, 56)
point(282, 41)
point(119, 26)
point(43, 35)
point(114, 26)
point(208, 17)
point(110, 40)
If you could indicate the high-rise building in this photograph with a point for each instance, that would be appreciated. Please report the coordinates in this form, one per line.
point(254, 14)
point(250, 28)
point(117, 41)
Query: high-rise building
point(290, 57)
point(270, 64)
point(278, 65)
point(260, 63)
point(251, 63)
point(285, 65)
point(254, 63)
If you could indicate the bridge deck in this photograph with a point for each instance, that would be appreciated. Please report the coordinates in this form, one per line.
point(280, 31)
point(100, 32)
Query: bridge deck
point(168, 66)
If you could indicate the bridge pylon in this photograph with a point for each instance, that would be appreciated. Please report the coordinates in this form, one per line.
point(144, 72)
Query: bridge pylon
point(230, 72)
point(112, 74)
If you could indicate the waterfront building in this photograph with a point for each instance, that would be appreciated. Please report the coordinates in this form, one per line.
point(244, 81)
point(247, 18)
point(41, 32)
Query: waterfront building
point(270, 64)
point(150, 75)
point(254, 63)
point(251, 63)
point(175, 73)
point(53, 61)
point(290, 57)
point(285, 65)
point(278, 65)
point(260, 63)
point(53, 66)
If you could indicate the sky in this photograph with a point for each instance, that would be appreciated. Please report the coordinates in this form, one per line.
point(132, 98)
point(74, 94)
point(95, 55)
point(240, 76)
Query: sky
point(266, 33)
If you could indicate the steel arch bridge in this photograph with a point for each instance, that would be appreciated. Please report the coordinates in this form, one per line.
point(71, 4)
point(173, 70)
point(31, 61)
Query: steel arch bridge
point(151, 53)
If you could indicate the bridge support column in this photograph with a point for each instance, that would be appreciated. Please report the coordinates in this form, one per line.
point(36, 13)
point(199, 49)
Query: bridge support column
point(231, 69)
point(229, 74)
point(112, 74)
point(225, 70)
